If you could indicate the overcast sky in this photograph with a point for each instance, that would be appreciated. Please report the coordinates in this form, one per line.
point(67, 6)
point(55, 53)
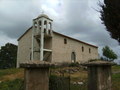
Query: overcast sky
point(75, 18)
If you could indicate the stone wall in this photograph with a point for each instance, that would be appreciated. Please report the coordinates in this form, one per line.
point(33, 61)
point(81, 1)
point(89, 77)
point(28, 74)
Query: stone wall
point(62, 52)
point(24, 48)
point(36, 76)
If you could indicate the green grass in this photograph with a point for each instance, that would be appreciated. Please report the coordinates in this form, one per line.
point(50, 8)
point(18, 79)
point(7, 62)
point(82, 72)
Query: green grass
point(10, 84)
point(116, 68)
point(4, 72)
point(16, 84)
point(78, 87)
point(116, 81)
point(116, 77)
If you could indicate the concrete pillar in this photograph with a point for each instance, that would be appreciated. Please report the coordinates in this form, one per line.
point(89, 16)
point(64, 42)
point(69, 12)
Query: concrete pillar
point(47, 28)
point(42, 41)
point(51, 28)
point(32, 48)
point(99, 75)
point(36, 75)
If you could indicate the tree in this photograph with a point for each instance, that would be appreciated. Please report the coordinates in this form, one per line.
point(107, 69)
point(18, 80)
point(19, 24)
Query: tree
point(109, 54)
point(110, 15)
point(8, 56)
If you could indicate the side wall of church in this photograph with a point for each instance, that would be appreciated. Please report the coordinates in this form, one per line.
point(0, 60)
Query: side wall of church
point(62, 52)
point(24, 48)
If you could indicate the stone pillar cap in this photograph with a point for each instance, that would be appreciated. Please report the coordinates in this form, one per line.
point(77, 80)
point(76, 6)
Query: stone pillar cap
point(36, 64)
point(98, 63)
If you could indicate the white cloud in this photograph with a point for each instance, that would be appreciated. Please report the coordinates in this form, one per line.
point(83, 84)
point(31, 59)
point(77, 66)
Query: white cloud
point(76, 18)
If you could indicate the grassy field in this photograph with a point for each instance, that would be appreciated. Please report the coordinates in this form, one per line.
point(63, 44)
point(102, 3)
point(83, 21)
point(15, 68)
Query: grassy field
point(116, 78)
point(11, 74)
point(12, 79)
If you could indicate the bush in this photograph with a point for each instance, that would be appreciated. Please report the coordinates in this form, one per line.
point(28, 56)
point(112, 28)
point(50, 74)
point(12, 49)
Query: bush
point(59, 83)
point(94, 60)
point(74, 64)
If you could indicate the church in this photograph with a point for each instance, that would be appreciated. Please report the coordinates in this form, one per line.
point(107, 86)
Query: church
point(40, 42)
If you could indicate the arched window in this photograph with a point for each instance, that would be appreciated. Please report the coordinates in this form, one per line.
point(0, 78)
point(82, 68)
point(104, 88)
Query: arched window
point(50, 26)
point(35, 24)
point(82, 49)
point(73, 57)
point(40, 24)
point(45, 24)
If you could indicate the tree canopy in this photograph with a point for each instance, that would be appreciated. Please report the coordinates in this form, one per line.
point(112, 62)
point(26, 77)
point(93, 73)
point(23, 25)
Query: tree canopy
point(108, 53)
point(8, 56)
point(110, 15)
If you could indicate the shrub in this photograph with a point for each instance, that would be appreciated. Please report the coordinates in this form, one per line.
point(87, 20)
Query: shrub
point(74, 64)
point(16, 84)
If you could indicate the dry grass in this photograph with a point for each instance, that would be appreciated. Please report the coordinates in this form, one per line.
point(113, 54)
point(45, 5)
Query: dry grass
point(79, 76)
point(116, 68)
point(11, 74)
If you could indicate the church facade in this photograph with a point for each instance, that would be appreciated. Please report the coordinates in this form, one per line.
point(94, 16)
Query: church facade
point(40, 42)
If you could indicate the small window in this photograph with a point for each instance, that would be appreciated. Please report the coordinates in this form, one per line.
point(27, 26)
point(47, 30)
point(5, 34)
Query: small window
point(89, 50)
point(82, 49)
point(65, 41)
point(30, 56)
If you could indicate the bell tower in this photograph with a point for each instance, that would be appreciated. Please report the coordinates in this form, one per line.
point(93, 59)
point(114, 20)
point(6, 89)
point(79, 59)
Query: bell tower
point(42, 38)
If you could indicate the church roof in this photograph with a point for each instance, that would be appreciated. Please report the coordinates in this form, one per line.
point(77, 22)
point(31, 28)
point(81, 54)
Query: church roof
point(62, 35)
point(43, 15)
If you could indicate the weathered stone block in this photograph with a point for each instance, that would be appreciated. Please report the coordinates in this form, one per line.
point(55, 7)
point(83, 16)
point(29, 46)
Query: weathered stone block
point(36, 75)
point(99, 75)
